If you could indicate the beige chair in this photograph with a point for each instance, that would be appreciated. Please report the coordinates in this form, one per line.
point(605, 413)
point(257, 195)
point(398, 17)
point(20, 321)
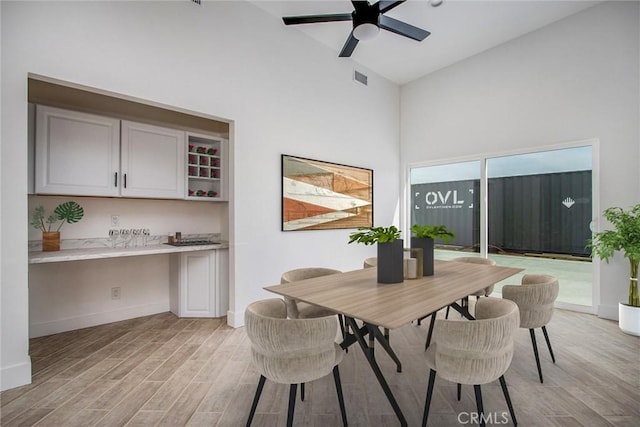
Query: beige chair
point(535, 298)
point(370, 262)
point(474, 352)
point(302, 310)
point(291, 351)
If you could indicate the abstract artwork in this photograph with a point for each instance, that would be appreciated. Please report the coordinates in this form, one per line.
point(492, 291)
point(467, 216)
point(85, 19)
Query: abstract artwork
point(319, 195)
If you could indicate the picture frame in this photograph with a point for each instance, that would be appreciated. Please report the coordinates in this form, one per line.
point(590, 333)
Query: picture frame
point(320, 195)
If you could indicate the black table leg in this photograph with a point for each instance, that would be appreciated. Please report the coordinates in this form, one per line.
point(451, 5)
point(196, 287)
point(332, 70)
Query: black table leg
point(382, 339)
point(463, 310)
point(359, 336)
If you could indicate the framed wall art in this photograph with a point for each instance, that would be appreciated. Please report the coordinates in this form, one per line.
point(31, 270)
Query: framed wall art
point(318, 195)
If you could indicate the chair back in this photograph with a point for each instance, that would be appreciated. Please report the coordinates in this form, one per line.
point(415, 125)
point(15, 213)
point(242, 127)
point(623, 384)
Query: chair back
point(478, 351)
point(535, 298)
point(290, 351)
point(370, 262)
point(478, 260)
point(302, 274)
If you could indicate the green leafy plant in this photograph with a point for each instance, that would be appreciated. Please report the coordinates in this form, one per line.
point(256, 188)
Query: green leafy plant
point(433, 231)
point(625, 237)
point(67, 212)
point(371, 235)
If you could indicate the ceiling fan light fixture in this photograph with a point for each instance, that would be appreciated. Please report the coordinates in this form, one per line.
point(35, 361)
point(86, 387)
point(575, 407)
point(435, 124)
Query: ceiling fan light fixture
point(436, 3)
point(366, 31)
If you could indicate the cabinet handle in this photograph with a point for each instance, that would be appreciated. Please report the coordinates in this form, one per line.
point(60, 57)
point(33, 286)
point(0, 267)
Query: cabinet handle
point(115, 183)
point(125, 180)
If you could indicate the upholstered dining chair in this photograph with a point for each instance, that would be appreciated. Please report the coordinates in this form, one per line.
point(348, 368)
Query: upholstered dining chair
point(300, 309)
point(370, 262)
point(535, 297)
point(474, 352)
point(291, 351)
point(481, 293)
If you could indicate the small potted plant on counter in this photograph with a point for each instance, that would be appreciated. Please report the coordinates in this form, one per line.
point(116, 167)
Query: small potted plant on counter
point(423, 238)
point(67, 212)
point(390, 251)
point(625, 238)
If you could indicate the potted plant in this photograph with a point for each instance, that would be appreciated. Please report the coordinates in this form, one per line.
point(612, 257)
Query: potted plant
point(423, 238)
point(625, 237)
point(67, 212)
point(390, 251)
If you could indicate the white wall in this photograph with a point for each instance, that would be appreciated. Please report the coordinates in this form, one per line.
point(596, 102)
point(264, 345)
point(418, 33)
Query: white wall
point(573, 80)
point(285, 93)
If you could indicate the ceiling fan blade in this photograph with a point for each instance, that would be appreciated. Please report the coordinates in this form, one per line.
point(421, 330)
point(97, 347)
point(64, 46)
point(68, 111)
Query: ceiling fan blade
point(312, 19)
point(386, 6)
point(349, 46)
point(403, 28)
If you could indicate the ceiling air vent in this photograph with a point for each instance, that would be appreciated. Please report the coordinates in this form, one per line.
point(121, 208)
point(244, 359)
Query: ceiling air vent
point(359, 77)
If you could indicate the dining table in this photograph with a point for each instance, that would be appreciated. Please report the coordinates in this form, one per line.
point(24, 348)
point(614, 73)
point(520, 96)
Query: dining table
point(358, 296)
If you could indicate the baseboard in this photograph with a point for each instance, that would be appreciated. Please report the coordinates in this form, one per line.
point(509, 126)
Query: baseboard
point(235, 319)
point(94, 319)
point(15, 375)
point(608, 311)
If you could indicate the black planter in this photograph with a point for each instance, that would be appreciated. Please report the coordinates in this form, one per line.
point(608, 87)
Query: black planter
point(426, 244)
point(390, 262)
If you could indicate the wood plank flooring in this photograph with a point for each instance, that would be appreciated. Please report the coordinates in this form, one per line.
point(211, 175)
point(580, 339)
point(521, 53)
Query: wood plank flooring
point(163, 371)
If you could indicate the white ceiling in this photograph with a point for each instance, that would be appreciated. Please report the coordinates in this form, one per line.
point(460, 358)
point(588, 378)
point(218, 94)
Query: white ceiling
point(459, 29)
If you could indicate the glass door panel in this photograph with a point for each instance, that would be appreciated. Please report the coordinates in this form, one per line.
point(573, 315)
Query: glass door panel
point(539, 211)
point(448, 195)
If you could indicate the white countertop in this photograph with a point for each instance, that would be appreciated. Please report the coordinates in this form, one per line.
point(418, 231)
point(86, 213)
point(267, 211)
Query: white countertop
point(40, 257)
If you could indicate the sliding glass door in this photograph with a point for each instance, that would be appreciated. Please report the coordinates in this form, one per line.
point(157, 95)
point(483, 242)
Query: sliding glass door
point(537, 213)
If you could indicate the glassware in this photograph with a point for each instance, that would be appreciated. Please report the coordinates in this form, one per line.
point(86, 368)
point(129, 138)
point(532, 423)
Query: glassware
point(113, 236)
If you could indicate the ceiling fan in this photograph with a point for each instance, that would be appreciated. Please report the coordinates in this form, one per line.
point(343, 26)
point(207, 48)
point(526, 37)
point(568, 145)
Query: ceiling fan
point(367, 20)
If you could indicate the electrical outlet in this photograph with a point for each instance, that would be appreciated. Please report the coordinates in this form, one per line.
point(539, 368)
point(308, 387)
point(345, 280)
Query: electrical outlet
point(115, 293)
point(115, 220)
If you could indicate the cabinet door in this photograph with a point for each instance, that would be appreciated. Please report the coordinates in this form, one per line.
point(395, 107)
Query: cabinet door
point(152, 161)
point(76, 153)
point(198, 284)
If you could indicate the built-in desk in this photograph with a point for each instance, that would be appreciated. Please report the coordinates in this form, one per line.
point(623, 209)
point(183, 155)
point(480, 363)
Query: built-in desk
point(74, 288)
point(40, 257)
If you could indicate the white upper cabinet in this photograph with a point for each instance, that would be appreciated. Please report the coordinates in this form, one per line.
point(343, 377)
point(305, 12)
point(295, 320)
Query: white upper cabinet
point(76, 153)
point(87, 155)
point(152, 161)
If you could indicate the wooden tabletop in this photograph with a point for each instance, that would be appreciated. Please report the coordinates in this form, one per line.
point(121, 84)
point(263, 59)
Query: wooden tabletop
point(357, 293)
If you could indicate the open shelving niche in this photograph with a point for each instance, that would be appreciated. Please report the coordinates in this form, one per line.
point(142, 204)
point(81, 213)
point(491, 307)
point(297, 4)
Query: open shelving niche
point(205, 167)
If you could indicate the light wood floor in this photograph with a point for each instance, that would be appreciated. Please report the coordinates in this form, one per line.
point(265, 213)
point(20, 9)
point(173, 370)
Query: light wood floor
point(161, 370)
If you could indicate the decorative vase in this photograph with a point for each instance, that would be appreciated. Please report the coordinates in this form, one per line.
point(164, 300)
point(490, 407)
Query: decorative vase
point(50, 241)
point(629, 319)
point(426, 244)
point(390, 262)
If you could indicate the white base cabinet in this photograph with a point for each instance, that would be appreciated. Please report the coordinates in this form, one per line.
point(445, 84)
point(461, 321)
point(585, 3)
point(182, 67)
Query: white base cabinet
point(199, 284)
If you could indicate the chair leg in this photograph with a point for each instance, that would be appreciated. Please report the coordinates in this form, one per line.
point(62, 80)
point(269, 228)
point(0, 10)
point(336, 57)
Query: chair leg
point(256, 398)
point(446, 315)
point(459, 391)
point(302, 392)
point(546, 337)
point(341, 320)
point(292, 404)
point(427, 402)
point(505, 391)
point(336, 379)
point(478, 391)
point(535, 352)
point(433, 322)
